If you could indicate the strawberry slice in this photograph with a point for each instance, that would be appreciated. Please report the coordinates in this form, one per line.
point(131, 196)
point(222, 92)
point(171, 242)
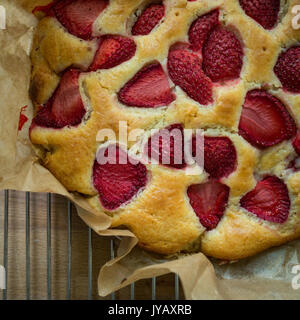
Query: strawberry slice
point(269, 200)
point(78, 16)
point(287, 69)
point(65, 108)
point(296, 143)
point(222, 55)
point(148, 20)
point(149, 88)
point(46, 10)
point(185, 71)
point(220, 157)
point(117, 183)
point(209, 201)
point(265, 121)
point(201, 28)
point(167, 146)
point(22, 119)
point(113, 50)
point(264, 12)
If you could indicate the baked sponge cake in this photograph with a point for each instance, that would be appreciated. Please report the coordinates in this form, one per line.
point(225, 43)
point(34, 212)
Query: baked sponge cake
point(228, 67)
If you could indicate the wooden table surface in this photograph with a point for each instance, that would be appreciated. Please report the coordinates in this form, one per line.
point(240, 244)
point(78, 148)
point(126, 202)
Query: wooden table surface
point(16, 286)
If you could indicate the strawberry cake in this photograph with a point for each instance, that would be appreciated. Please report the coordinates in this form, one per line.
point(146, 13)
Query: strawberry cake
point(228, 67)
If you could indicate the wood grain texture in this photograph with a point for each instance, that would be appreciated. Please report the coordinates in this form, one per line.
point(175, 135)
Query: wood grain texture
point(16, 271)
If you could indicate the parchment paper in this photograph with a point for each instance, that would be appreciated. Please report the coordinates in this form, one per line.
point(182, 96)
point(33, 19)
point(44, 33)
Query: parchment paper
point(266, 276)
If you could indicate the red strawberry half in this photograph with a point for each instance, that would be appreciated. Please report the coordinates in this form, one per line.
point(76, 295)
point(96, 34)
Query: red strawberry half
point(22, 119)
point(220, 158)
point(149, 88)
point(265, 121)
point(201, 28)
point(148, 20)
point(47, 9)
point(264, 12)
point(185, 71)
point(209, 201)
point(222, 55)
point(78, 16)
point(65, 108)
point(118, 183)
point(287, 69)
point(167, 147)
point(269, 200)
point(113, 50)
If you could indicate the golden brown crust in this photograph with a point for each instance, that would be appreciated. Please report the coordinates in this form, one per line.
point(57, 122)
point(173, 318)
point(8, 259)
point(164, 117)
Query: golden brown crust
point(161, 215)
